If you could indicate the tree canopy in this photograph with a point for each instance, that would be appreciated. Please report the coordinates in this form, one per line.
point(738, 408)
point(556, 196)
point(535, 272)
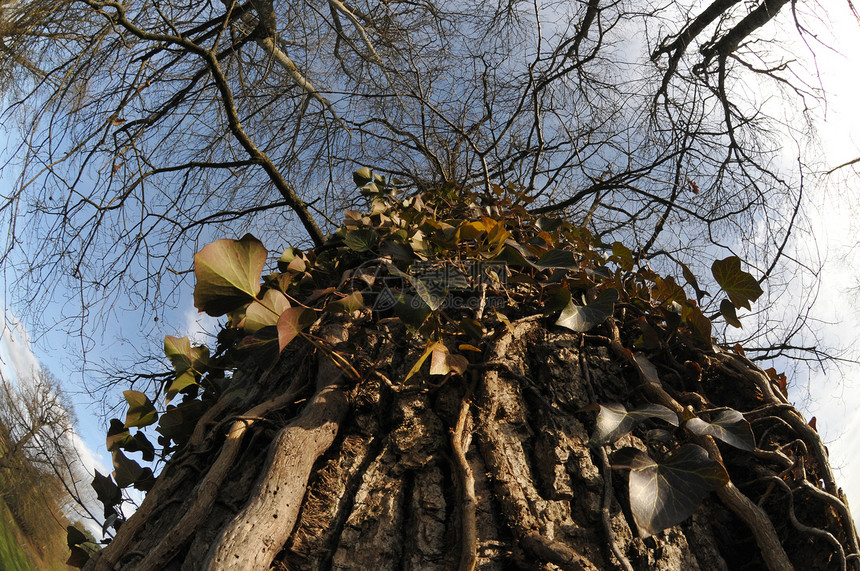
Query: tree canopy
point(150, 129)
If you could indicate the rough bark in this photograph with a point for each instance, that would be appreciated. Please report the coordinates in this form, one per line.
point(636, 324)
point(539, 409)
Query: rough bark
point(490, 470)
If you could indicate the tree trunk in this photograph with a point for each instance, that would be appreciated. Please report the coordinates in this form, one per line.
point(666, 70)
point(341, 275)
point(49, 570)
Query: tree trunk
point(489, 470)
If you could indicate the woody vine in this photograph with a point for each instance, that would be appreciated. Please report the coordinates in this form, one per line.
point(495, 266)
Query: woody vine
point(499, 265)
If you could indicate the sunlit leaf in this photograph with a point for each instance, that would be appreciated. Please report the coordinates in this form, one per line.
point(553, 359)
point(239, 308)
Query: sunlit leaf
point(428, 350)
point(178, 352)
point(179, 384)
point(624, 255)
point(347, 304)
point(471, 230)
point(698, 321)
point(361, 177)
point(265, 312)
point(292, 322)
point(582, 318)
point(614, 420)
point(117, 435)
point(741, 286)
point(663, 494)
point(729, 426)
point(141, 411)
point(228, 274)
point(442, 362)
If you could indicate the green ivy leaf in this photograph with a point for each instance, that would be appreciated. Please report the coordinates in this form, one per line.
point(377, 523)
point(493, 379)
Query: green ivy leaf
point(741, 286)
point(663, 494)
point(411, 309)
point(557, 298)
point(265, 312)
point(117, 435)
point(624, 255)
point(361, 240)
point(727, 309)
point(556, 259)
point(177, 422)
point(614, 420)
point(107, 492)
point(729, 426)
point(582, 318)
point(178, 352)
point(361, 177)
point(126, 471)
point(347, 304)
point(179, 384)
point(141, 411)
point(228, 274)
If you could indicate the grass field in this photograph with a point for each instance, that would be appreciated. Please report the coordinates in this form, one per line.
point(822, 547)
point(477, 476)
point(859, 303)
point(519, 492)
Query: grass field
point(12, 554)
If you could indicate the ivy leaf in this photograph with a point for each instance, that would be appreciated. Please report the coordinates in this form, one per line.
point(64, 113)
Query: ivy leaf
point(117, 435)
point(691, 279)
point(556, 259)
point(228, 274)
point(582, 318)
point(77, 558)
point(624, 255)
point(141, 411)
point(442, 362)
point(417, 366)
point(361, 177)
point(107, 492)
point(411, 309)
point(179, 384)
point(348, 304)
point(741, 286)
point(177, 422)
point(265, 312)
point(614, 420)
point(729, 426)
point(663, 494)
point(291, 323)
point(126, 471)
point(557, 299)
point(698, 321)
point(178, 352)
point(727, 309)
point(361, 240)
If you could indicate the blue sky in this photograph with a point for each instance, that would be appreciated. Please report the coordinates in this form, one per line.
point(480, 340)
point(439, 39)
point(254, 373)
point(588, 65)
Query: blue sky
point(833, 398)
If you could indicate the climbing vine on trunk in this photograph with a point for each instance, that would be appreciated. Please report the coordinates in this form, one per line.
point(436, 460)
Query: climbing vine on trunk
point(445, 309)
